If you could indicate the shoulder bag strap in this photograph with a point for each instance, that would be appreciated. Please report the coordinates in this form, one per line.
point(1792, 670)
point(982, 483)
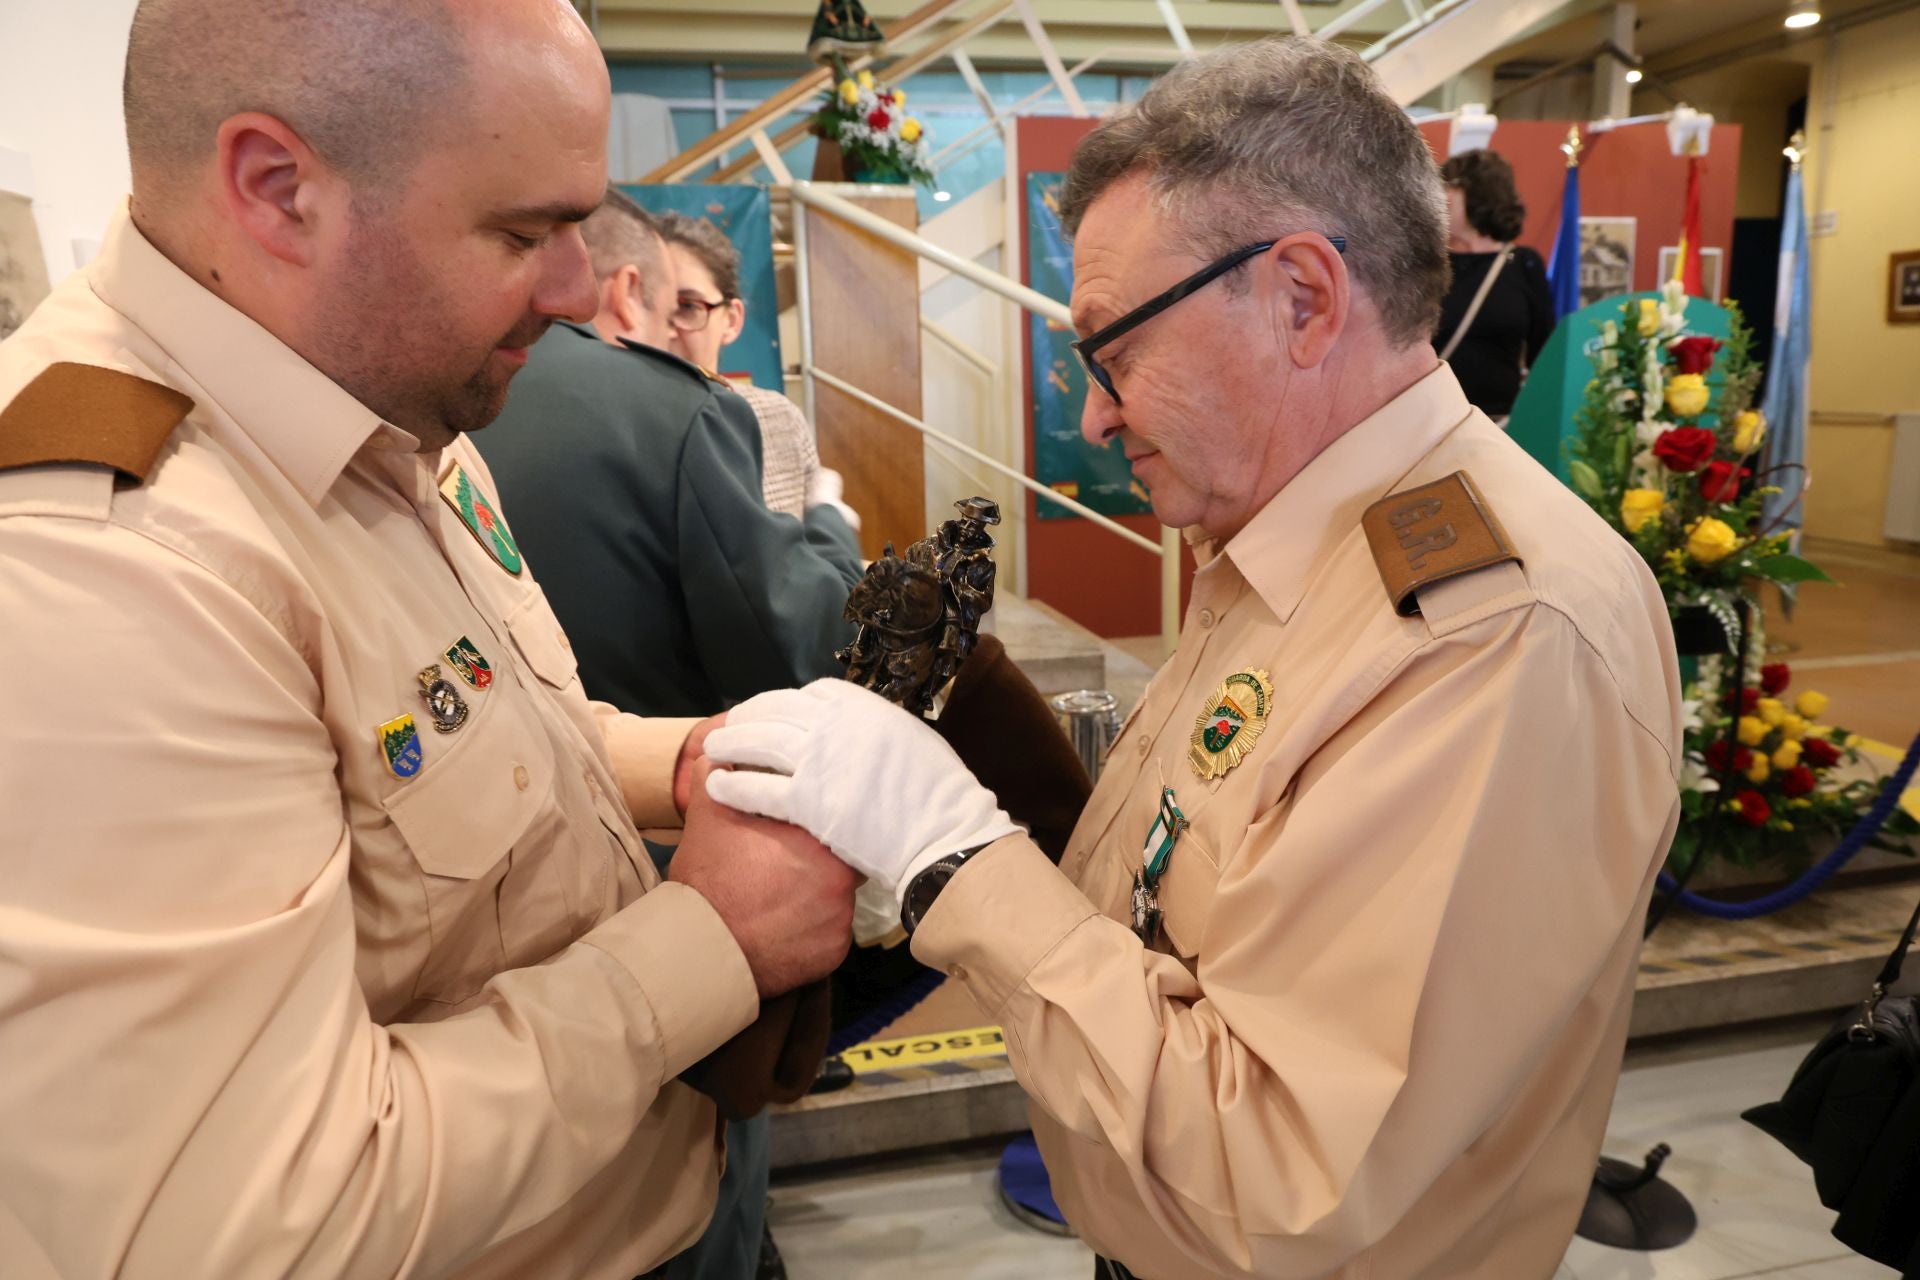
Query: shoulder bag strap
point(1862, 1029)
point(1473, 308)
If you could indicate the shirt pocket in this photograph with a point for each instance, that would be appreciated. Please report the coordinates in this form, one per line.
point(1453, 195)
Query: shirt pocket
point(461, 817)
point(1186, 893)
point(542, 641)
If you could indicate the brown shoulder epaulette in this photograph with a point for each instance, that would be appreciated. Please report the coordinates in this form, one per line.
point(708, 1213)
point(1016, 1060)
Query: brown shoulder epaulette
point(84, 413)
point(1426, 535)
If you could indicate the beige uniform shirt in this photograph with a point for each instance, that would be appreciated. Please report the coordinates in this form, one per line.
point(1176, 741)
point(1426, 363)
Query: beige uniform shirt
point(1380, 1033)
point(266, 1008)
point(788, 456)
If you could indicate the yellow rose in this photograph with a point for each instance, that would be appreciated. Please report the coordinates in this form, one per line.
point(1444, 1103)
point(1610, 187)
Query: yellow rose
point(1761, 770)
point(1787, 756)
point(1793, 728)
point(1710, 541)
point(1749, 429)
point(1649, 317)
point(866, 79)
point(1770, 710)
point(910, 130)
point(1810, 704)
point(1753, 730)
point(849, 92)
point(899, 97)
point(1687, 394)
point(1637, 506)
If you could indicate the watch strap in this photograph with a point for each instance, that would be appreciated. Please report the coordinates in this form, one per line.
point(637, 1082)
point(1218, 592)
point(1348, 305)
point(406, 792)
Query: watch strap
point(926, 886)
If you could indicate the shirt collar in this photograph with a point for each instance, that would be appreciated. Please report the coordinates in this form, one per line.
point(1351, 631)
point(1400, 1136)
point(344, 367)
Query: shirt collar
point(1280, 549)
point(300, 418)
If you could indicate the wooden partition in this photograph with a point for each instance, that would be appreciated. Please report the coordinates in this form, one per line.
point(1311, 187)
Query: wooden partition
point(865, 307)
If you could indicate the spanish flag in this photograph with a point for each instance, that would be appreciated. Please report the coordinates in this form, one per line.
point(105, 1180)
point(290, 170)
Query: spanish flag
point(1686, 265)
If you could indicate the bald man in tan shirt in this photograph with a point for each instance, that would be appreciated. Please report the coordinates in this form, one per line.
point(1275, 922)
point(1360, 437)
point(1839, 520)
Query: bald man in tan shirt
point(328, 945)
point(1334, 976)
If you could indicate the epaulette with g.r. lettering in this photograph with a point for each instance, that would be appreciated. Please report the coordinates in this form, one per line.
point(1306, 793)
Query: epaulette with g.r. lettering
point(85, 413)
point(1427, 535)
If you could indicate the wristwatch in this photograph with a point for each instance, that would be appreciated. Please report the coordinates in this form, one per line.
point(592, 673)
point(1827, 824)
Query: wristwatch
point(925, 887)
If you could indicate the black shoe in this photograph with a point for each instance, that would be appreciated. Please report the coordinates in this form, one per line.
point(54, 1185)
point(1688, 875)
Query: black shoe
point(771, 1267)
point(834, 1074)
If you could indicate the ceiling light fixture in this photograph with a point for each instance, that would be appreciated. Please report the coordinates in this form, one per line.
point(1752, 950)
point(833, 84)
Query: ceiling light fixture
point(1633, 75)
point(1802, 14)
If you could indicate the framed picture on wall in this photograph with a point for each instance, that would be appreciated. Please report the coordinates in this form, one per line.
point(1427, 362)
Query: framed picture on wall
point(1711, 262)
point(1606, 258)
point(1903, 287)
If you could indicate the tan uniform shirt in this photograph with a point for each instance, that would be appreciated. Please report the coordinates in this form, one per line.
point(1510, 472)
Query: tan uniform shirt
point(1380, 1034)
point(788, 456)
point(265, 1007)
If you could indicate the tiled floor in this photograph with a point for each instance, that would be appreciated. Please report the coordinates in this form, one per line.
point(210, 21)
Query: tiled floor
point(937, 1217)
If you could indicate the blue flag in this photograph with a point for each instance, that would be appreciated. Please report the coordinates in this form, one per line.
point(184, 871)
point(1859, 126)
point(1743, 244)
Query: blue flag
point(1563, 267)
point(1785, 402)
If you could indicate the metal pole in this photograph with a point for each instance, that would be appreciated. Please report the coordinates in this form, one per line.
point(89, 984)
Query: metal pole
point(1018, 477)
point(1050, 56)
point(770, 156)
point(803, 302)
point(1296, 19)
point(953, 342)
point(1175, 28)
point(810, 193)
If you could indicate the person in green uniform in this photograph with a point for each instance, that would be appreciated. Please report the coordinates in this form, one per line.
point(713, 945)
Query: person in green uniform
point(635, 486)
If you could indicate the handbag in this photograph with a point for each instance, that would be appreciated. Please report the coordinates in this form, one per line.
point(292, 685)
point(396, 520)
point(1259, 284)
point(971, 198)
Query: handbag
point(1852, 1112)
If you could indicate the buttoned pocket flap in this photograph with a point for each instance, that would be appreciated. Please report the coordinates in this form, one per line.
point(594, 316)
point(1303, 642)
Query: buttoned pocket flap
point(478, 791)
point(542, 641)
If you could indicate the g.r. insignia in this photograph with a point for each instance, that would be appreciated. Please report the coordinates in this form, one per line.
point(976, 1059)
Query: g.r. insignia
point(466, 660)
point(400, 744)
point(444, 703)
point(483, 522)
point(1231, 723)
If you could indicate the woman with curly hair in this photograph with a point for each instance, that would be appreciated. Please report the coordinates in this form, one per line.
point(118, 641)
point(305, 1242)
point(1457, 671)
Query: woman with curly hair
point(1491, 348)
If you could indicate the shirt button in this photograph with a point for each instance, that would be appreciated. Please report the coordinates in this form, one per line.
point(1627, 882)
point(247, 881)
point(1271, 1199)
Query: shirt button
point(1206, 617)
point(958, 973)
point(521, 778)
point(593, 785)
point(1146, 744)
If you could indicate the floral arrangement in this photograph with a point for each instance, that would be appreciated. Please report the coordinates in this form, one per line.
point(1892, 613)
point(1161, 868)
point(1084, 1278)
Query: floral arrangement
point(880, 141)
point(1785, 777)
point(1666, 450)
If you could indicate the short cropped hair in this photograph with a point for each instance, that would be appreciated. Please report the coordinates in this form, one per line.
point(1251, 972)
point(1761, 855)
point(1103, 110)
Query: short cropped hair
point(1275, 136)
point(1485, 180)
point(361, 81)
point(709, 244)
point(620, 233)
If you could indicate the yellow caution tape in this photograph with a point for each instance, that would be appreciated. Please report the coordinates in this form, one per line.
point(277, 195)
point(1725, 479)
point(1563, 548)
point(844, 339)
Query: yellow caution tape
point(1911, 800)
point(924, 1051)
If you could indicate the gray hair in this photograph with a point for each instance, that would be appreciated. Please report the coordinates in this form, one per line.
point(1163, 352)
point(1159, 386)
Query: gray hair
point(1267, 138)
point(363, 82)
point(709, 244)
point(621, 233)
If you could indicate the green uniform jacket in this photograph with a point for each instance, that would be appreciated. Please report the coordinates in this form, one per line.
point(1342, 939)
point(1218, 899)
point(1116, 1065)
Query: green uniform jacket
point(632, 482)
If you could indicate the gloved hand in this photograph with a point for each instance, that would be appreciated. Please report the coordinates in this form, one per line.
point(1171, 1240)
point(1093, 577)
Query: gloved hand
point(871, 782)
point(827, 487)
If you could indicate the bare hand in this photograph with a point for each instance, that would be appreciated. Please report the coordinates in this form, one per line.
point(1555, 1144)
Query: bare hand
point(785, 898)
point(691, 752)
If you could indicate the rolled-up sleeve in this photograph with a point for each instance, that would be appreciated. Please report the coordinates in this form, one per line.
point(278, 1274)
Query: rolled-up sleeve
point(1390, 952)
point(193, 1083)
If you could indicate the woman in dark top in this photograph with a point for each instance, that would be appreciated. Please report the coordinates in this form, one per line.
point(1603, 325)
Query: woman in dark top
point(1515, 319)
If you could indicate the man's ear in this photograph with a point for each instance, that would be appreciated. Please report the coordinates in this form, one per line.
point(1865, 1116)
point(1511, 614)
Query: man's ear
point(1313, 297)
point(275, 187)
point(620, 294)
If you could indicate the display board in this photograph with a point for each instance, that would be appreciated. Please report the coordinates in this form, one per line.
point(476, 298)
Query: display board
point(744, 214)
point(1062, 458)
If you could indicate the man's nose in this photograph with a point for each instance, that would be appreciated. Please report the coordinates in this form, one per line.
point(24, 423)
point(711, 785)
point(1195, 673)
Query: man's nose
point(1100, 418)
point(567, 288)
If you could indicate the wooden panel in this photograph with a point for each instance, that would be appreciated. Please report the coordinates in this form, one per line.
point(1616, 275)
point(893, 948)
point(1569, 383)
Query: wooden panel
point(865, 297)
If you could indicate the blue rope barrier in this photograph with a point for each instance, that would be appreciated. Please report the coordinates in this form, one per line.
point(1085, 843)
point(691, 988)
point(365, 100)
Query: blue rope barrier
point(1855, 840)
point(885, 1014)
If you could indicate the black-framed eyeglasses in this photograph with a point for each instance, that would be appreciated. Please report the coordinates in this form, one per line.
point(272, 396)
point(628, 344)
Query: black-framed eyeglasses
point(1085, 347)
point(693, 312)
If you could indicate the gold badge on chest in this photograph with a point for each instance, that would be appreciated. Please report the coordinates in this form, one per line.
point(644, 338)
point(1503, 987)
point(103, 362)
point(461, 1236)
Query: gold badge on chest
point(1230, 723)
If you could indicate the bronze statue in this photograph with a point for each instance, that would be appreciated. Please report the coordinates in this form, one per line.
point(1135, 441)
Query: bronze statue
point(919, 614)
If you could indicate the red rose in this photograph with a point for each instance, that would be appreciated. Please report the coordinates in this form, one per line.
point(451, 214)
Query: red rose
point(1716, 754)
point(1749, 701)
point(1720, 482)
point(1694, 355)
point(1796, 781)
point(1819, 753)
point(1685, 448)
point(1753, 808)
point(1774, 677)
point(878, 119)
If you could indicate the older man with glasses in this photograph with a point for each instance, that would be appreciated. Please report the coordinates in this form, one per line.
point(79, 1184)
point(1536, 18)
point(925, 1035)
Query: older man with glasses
point(1334, 977)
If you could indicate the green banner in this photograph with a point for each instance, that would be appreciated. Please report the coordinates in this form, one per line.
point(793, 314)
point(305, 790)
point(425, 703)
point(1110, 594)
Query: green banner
point(1062, 459)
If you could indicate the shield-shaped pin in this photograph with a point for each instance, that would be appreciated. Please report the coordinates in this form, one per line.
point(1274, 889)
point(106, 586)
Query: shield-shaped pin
point(400, 744)
point(466, 660)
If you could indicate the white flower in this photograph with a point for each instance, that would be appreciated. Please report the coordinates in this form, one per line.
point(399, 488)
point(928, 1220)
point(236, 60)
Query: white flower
point(1610, 331)
point(1695, 776)
point(1647, 430)
point(1689, 714)
point(1673, 297)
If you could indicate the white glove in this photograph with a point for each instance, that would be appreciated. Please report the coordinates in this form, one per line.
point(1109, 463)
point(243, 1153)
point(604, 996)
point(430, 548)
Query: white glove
point(871, 782)
point(827, 487)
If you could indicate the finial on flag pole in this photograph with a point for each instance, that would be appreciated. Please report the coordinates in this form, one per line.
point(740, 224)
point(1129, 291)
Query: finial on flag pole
point(1572, 146)
point(1796, 149)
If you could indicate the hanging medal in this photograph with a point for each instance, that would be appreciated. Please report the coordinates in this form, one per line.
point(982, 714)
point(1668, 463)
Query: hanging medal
point(1155, 854)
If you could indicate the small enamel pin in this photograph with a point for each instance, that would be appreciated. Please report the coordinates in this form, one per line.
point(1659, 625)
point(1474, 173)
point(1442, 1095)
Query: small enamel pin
point(400, 743)
point(444, 703)
point(483, 521)
point(467, 662)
